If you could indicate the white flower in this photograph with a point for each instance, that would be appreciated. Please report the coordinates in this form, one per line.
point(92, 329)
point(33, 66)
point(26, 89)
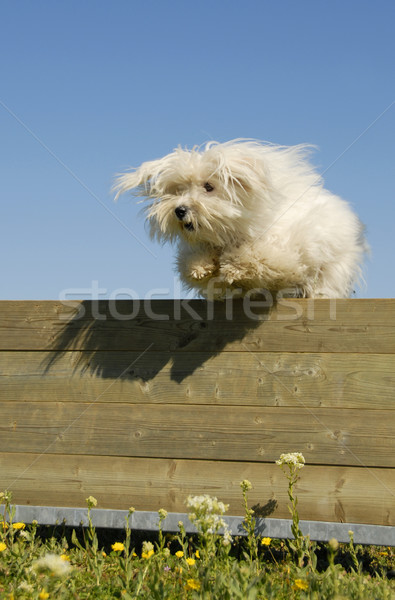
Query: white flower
point(5, 497)
point(295, 459)
point(26, 587)
point(54, 563)
point(91, 501)
point(207, 515)
point(227, 537)
point(206, 504)
point(147, 547)
point(333, 544)
point(246, 485)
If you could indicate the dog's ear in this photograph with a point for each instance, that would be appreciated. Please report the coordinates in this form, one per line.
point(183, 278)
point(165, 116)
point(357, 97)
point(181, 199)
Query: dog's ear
point(138, 179)
point(243, 172)
point(241, 178)
point(241, 166)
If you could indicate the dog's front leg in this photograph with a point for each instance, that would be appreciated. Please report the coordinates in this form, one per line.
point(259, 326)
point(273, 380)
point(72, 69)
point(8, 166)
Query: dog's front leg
point(234, 269)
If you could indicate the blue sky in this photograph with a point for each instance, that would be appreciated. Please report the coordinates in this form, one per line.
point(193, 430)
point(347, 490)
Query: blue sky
point(90, 88)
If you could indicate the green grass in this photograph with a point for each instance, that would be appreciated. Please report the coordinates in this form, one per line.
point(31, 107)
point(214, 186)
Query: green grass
point(208, 565)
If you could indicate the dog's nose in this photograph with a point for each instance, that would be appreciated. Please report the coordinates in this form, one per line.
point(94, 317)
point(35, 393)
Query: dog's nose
point(180, 211)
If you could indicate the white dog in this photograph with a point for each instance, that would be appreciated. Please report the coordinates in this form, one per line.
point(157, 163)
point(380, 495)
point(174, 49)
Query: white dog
point(250, 216)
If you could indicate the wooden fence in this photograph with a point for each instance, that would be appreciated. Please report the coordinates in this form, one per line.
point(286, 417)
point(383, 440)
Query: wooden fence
point(145, 402)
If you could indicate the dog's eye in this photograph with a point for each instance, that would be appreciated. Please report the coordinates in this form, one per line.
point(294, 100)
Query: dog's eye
point(208, 187)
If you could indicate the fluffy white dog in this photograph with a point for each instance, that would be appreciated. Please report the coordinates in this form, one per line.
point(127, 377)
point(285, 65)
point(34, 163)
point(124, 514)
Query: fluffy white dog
point(250, 216)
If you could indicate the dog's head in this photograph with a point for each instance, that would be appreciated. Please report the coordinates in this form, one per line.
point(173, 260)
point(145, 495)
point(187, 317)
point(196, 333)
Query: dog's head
point(214, 195)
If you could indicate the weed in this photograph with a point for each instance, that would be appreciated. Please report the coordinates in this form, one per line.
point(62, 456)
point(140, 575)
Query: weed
point(203, 567)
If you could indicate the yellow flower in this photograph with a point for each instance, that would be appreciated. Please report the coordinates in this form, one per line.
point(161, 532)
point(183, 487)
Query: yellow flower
point(18, 526)
point(197, 554)
point(91, 501)
point(103, 554)
point(148, 554)
point(65, 557)
point(4, 524)
point(190, 561)
point(179, 554)
point(193, 584)
point(118, 547)
point(2, 546)
point(266, 541)
point(300, 584)
point(43, 595)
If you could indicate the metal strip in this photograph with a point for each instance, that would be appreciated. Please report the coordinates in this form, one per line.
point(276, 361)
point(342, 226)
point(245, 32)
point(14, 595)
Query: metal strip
point(321, 531)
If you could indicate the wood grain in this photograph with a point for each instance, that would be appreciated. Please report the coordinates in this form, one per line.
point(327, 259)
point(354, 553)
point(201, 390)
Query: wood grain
point(325, 436)
point(337, 494)
point(298, 325)
point(230, 378)
point(142, 404)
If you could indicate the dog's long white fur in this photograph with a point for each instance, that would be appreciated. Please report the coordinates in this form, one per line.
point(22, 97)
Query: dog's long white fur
point(254, 216)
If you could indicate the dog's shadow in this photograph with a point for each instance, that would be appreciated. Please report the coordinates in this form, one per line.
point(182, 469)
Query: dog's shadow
point(136, 340)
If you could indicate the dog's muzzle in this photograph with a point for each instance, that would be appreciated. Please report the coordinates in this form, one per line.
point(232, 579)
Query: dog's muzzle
point(181, 214)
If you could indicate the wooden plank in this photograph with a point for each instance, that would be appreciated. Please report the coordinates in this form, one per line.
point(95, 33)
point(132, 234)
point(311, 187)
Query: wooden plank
point(337, 494)
point(245, 378)
point(298, 325)
point(325, 436)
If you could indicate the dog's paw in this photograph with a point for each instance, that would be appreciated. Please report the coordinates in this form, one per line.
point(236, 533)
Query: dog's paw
point(200, 272)
point(230, 274)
